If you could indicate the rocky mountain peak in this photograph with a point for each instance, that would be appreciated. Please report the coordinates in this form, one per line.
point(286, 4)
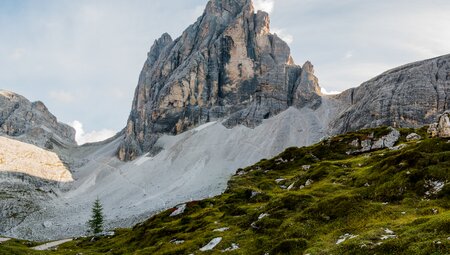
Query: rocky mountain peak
point(308, 67)
point(227, 65)
point(32, 122)
point(227, 7)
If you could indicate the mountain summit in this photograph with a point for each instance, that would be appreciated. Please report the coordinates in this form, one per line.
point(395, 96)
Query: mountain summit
point(226, 65)
point(32, 122)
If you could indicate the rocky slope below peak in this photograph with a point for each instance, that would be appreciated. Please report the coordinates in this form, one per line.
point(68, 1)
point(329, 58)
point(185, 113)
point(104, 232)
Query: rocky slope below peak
point(226, 65)
point(31, 122)
point(408, 96)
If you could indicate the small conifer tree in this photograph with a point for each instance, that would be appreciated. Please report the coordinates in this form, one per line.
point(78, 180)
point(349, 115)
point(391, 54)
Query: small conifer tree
point(96, 222)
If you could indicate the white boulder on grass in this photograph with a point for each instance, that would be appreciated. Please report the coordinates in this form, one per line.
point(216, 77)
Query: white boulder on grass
point(212, 244)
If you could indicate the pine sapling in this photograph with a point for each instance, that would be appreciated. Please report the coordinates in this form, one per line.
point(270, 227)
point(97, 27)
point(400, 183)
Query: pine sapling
point(96, 221)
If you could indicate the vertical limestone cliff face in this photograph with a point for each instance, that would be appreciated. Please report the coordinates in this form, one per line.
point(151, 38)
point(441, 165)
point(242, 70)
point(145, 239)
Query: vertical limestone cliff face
point(226, 65)
point(408, 96)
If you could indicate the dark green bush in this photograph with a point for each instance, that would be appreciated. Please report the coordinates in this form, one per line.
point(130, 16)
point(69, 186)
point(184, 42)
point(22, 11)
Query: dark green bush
point(290, 246)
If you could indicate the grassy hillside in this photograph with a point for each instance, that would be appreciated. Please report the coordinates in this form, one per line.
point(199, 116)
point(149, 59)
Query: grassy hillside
point(312, 200)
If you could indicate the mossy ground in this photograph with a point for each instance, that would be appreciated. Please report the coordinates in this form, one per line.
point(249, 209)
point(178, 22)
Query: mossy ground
point(365, 195)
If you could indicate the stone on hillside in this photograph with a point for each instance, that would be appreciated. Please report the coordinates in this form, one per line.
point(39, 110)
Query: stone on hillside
point(413, 137)
point(212, 244)
point(442, 127)
point(370, 144)
point(179, 210)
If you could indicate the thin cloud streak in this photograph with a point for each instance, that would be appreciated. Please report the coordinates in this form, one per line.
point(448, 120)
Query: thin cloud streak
point(81, 137)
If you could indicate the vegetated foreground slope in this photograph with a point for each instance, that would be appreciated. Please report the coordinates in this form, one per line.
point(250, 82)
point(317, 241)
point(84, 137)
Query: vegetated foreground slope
point(318, 200)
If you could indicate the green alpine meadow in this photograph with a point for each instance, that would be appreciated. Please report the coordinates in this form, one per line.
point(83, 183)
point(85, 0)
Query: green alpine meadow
point(319, 199)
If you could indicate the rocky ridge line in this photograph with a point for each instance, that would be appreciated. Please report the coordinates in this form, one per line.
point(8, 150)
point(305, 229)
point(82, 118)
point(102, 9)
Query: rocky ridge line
point(31, 122)
point(225, 65)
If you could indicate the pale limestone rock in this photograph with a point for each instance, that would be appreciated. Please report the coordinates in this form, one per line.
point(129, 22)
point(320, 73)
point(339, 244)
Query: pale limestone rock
point(212, 244)
point(413, 137)
point(370, 144)
point(412, 95)
point(18, 157)
point(227, 65)
point(442, 127)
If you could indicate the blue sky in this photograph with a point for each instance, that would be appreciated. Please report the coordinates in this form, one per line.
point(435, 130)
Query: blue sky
point(82, 58)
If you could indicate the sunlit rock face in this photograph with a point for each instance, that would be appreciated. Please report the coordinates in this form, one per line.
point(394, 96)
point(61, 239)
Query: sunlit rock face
point(18, 157)
point(225, 65)
point(29, 177)
point(442, 127)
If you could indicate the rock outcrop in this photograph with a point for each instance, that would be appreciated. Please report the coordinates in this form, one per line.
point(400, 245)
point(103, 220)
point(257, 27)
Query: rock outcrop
point(19, 157)
point(408, 96)
point(32, 122)
point(370, 144)
point(442, 127)
point(227, 65)
point(29, 176)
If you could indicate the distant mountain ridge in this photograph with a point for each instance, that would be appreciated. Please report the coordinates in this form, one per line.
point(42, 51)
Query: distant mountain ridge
point(32, 122)
point(411, 95)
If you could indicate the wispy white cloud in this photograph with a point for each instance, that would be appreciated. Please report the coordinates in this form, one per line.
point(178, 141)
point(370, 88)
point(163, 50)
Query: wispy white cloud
point(325, 92)
point(348, 54)
point(94, 136)
point(264, 5)
point(285, 36)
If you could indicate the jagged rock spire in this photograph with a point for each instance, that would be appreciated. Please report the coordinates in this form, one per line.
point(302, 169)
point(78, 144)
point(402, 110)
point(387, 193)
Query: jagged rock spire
point(226, 65)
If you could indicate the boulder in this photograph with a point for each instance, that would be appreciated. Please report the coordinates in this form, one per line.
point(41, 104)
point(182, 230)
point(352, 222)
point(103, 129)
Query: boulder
point(413, 137)
point(442, 127)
